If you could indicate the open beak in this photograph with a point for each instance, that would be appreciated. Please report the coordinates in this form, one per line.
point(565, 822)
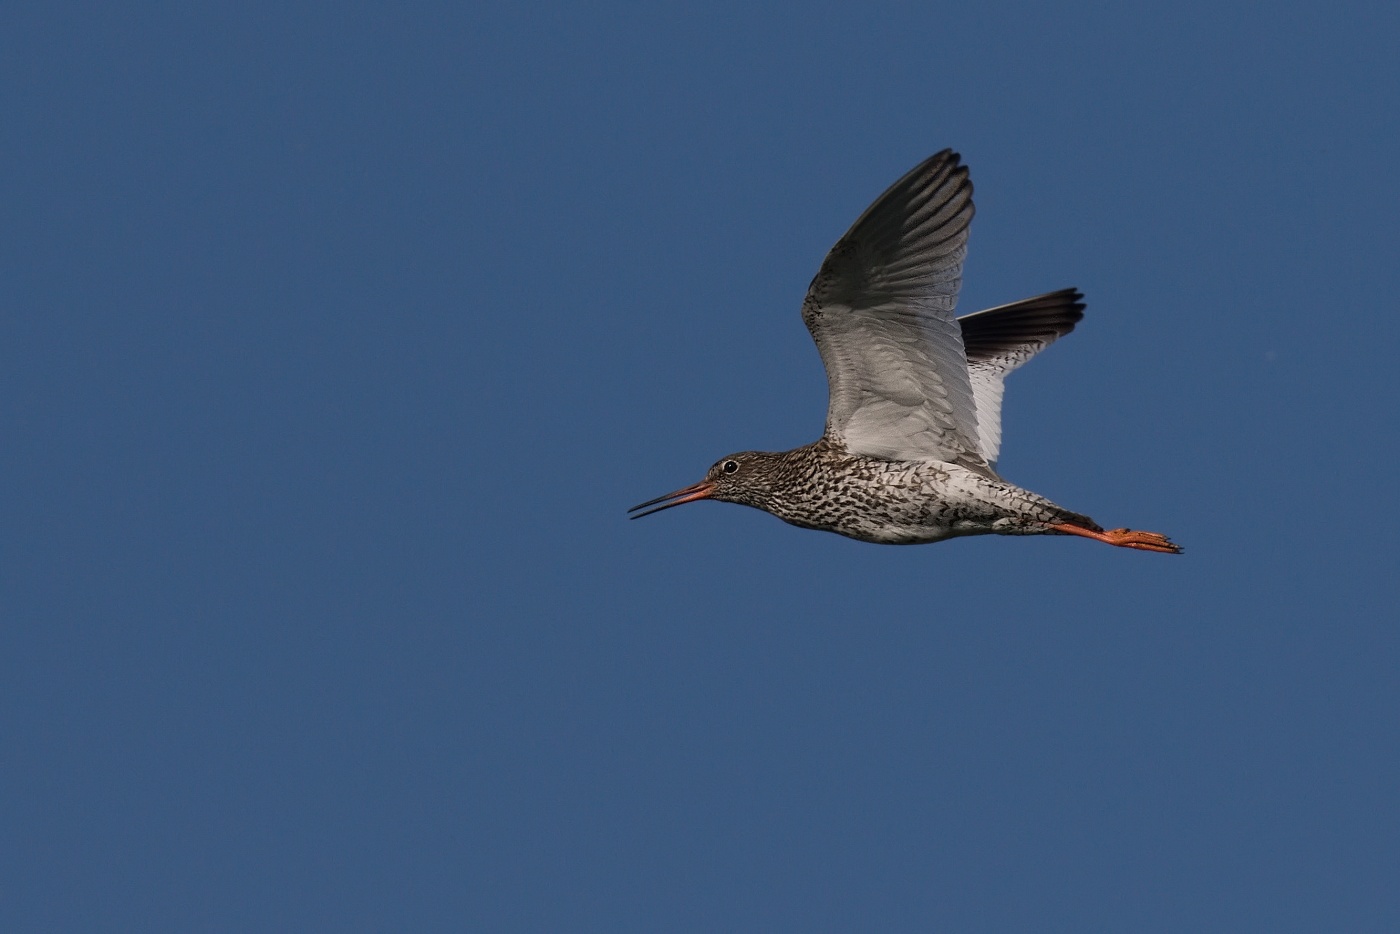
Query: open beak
point(702, 490)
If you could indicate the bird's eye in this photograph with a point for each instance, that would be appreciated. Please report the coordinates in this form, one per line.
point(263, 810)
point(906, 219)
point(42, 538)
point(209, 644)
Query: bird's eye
point(729, 466)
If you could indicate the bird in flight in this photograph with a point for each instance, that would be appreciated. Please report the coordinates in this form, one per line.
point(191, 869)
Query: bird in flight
point(913, 425)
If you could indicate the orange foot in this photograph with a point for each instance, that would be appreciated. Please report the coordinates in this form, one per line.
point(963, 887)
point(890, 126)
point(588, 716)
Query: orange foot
point(1123, 538)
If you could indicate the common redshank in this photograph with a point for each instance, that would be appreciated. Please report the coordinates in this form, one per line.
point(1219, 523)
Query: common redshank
point(913, 426)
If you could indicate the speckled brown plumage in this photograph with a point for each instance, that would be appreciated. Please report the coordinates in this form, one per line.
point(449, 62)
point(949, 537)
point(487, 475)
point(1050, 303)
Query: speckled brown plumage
point(914, 420)
point(823, 486)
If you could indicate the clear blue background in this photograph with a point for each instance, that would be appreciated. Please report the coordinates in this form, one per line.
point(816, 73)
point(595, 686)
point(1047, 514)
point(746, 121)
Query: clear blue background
point(337, 339)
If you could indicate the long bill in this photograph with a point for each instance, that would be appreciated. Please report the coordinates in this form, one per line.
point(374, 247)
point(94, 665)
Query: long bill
point(702, 490)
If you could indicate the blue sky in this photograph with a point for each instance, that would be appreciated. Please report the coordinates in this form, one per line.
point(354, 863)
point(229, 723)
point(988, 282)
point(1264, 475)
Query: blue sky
point(338, 339)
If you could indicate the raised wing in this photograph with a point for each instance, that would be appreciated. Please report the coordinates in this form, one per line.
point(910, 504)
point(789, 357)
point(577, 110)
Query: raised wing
point(1000, 339)
point(881, 312)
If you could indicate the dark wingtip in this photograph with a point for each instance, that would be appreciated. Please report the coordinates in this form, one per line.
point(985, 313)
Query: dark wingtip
point(1041, 320)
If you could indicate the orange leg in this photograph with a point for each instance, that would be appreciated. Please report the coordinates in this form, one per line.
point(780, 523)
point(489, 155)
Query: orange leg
point(1123, 538)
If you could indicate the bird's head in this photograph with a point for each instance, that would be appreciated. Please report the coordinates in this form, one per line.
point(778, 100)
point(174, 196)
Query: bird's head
point(739, 478)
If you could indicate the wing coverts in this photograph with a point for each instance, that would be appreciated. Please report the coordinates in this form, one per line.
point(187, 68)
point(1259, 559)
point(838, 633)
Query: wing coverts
point(880, 310)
